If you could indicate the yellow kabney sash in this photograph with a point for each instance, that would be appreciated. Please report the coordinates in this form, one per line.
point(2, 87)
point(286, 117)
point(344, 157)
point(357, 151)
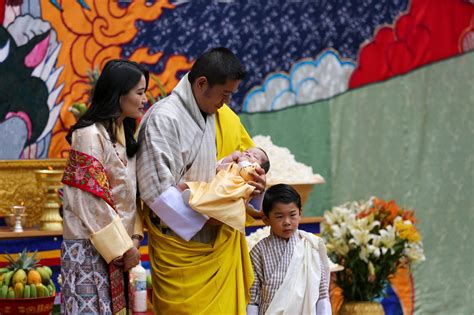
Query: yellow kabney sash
point(197, 278)
point(230, 133)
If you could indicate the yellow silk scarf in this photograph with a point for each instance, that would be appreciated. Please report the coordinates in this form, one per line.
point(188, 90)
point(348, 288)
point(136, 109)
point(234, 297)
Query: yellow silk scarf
point(197, 278)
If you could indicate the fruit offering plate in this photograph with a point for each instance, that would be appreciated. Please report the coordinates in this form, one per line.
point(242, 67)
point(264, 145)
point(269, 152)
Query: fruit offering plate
point(39, 306)
point(25, 286)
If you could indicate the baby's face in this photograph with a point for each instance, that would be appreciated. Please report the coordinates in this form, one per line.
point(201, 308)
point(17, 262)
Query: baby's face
point(253, 155)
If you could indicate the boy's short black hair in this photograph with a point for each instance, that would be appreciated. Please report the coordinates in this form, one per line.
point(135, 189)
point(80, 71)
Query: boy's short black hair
point(218, 65)
point(281, 193)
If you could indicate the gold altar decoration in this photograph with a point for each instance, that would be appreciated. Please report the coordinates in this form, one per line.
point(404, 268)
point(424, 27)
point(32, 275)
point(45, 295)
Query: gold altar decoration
point(361, 308)
point(18, 212)
point(50, 181)
point(18, 185)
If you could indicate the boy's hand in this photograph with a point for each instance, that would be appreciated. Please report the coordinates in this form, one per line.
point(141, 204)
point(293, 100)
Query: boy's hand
point(259, 182)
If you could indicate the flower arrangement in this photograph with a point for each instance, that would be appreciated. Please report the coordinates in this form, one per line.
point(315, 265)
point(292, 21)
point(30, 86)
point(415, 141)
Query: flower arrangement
point(371, 240)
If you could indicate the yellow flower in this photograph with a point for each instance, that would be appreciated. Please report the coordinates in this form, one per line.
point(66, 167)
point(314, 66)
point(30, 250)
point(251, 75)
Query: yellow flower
point(101, 178)
point(407, 231)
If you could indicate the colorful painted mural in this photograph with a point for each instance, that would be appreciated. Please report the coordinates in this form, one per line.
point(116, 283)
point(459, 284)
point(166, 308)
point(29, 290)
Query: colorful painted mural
point(297, 52)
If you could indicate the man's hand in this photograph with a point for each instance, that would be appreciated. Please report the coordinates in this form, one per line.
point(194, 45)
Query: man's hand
point(182, 186)
point(259, 182)
point(131, 258)
point(234, 157)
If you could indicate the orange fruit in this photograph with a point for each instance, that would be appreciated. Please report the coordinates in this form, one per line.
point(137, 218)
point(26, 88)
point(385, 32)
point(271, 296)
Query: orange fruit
point(34, 277)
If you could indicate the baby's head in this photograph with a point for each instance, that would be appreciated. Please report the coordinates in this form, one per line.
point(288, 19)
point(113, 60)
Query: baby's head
point(256, 155)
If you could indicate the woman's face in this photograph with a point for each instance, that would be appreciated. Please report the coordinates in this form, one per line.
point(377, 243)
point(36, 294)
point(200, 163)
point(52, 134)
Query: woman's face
point(133, 103)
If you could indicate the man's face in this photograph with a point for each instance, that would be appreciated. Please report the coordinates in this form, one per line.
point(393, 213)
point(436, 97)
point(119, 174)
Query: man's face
point(211, 98)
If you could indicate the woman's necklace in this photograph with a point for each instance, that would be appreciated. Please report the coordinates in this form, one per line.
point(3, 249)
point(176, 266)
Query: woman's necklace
point(114, 144)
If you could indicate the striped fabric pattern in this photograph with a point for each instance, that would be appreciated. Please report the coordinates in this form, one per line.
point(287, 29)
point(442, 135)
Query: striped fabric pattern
point(177, 144)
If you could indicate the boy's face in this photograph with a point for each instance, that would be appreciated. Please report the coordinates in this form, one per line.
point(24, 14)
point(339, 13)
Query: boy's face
point(284, 219)
point(254, 155)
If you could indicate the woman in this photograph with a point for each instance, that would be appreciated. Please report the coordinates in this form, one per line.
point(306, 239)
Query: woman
point(102, 228)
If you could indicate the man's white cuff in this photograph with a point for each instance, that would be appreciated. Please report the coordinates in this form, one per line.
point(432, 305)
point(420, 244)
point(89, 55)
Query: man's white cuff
point(172, 210)
point(252, 309)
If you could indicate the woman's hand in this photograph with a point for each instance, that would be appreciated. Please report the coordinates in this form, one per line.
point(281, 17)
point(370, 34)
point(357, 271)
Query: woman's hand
point(131, 258)
point(118, 261)
point(136, 242)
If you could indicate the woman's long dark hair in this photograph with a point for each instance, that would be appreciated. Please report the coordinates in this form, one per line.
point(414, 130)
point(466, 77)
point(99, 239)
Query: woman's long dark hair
point(117, 78)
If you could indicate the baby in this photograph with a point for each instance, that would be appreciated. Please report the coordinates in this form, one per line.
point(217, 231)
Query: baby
point(247, 161)
point(225, 198)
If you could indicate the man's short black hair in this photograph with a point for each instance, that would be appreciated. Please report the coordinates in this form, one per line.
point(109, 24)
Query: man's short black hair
point(280, 193)
point(218, 65)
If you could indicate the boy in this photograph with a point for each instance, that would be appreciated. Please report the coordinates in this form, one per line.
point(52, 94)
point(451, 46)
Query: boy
point(225, 198)
point(291, 266)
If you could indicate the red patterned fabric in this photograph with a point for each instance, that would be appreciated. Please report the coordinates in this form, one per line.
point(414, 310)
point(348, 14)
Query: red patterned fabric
point(117, 289)
point(2, 11)
point(428, 32)
point(85, 172)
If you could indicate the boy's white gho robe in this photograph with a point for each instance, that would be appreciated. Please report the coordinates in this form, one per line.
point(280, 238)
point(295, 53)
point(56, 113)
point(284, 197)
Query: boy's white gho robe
point(177, 144)
point(291, 277)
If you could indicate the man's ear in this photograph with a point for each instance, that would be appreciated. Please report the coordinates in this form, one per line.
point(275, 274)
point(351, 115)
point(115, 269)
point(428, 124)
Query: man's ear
point(201, 82)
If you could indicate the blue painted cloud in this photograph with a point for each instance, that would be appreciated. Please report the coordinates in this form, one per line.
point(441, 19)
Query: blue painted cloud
point(309, 80)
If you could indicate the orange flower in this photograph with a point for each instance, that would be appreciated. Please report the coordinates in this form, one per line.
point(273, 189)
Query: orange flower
point(408, 215)
point(387, 210)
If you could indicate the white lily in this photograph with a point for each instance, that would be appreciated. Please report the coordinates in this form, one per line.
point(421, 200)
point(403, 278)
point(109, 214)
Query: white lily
point(375, 246)
point(341, 247)
point(360, 237)
point(364, 253)
point(414, 251)
point(339, 231)
point(388, 238)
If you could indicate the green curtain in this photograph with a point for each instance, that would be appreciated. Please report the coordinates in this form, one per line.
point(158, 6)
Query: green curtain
point(410, 138)
point(305, 131)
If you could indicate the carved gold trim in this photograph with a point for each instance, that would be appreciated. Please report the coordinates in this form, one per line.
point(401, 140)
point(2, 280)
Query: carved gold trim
point(32, 164)
point(18, 184)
